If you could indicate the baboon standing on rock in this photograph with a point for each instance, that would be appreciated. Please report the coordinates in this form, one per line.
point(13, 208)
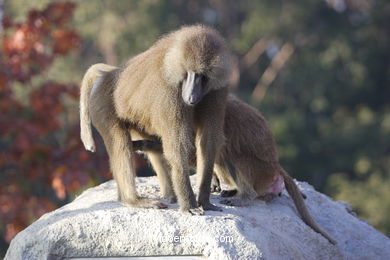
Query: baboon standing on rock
point(247, 162)
point(176, 90)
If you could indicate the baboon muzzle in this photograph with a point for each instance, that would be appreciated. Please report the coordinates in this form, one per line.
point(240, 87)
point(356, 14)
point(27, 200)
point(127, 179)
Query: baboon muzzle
point(192, 88)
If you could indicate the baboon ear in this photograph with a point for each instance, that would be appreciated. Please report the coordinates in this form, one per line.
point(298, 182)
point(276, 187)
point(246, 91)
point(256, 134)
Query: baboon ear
point(192, 88)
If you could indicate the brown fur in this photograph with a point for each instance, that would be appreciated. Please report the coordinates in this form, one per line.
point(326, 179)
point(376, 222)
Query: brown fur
point(249, 162)
point(87, 84)
point(146, 94)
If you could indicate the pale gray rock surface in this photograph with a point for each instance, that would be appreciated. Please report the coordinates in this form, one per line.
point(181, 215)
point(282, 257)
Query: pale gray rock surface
point(96, 225)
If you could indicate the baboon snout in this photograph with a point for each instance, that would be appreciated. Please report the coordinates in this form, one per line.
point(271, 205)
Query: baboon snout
point(192, 88)
point(193, 100)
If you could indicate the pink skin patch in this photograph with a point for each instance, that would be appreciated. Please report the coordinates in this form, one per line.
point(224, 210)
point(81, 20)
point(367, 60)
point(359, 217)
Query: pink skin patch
point(277, 185)
point(274, 189)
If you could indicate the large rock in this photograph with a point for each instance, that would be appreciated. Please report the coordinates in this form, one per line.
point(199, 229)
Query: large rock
point(95, 224)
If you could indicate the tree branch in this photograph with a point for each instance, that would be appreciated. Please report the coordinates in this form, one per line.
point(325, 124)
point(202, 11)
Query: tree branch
point(254, 53)
point(271, 72)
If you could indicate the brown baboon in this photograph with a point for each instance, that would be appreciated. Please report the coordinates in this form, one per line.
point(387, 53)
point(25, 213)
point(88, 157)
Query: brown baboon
point(249, 161)
point(176, 90)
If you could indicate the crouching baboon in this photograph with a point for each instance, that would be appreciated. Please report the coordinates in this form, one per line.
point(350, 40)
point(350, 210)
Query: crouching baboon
point(248, 161)
point(176, 90)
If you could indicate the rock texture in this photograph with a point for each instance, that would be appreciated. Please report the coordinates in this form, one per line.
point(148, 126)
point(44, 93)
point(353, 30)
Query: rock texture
point(96, 225)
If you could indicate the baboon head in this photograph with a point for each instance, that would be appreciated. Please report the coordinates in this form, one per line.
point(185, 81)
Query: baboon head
point(198, 63)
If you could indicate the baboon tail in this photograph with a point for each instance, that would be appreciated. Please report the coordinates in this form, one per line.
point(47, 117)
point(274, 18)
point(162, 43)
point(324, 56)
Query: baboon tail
point(89, 80)
point(297, 197)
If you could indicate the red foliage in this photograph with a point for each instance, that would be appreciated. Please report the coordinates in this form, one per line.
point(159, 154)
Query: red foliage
point(41, 157)
point(25, 51)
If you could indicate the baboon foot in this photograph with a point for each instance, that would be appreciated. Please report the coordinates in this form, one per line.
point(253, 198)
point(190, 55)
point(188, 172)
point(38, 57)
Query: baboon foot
point(193, 211)
point(228, 193)
point(268, 197)
point(171, 199)
point(196, 211)
point(215, 184)
point(145, 203)
point(215, 188)
point(237, 202)
point(209, 206)
point(229, 202)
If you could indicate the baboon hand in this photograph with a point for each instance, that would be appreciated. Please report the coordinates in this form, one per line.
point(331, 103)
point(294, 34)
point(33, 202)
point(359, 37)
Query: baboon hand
point(215, 184)
point(195, 211)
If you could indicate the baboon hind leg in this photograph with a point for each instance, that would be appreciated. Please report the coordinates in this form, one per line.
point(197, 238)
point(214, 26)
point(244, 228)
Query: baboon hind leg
point(162, 169)
point(243, 194)
point(154, 152)
point(225, 172)
point(118, 144)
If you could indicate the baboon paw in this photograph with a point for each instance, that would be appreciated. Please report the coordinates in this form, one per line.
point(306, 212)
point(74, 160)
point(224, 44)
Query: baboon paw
point(171, 199)
point(209, 206)
point(215, 188)
point(228, 193)
point(156, 205)
point(215, 184)
point(146, 204)
point(227, 202)
point(194, 211)
point(268, 197)
point(235, 202)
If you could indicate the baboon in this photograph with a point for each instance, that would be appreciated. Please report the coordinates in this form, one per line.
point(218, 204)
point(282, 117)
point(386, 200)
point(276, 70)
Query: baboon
point(176, 90)
point(248, 161)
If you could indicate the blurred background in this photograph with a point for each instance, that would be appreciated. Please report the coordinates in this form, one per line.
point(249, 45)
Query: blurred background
point(319, 71)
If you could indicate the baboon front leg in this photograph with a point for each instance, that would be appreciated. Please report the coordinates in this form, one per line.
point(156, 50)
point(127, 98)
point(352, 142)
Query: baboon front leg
point(177, 154)
point(162, 170)
point(209, 139)
point(119, 148)
point(183, 190)
point(205, 156)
